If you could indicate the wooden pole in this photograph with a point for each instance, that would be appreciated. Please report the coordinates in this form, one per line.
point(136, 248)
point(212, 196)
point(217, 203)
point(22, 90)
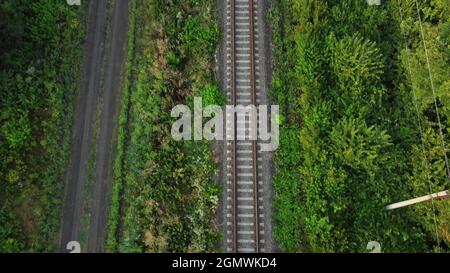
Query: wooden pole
point(439, 195)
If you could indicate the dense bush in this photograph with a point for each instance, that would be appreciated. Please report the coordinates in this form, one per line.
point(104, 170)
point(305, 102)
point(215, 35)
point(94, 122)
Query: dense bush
point(40, 50)
point(342, 82)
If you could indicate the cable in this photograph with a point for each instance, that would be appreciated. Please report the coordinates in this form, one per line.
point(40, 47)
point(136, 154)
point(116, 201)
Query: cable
point(444, 146)
point(425, 158)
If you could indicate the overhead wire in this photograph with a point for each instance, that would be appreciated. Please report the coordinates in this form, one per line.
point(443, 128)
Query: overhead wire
point(438, 115)
point(419, 121)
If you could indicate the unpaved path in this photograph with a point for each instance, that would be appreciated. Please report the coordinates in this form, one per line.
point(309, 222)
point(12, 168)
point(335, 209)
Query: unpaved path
point(111, 96)
point(90, 88)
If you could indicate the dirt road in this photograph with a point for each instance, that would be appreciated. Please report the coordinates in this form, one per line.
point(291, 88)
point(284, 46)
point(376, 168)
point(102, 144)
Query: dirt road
point(111, 96)
point(94, 70)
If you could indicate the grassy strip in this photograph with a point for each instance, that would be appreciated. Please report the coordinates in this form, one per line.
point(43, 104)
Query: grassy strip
point(168, 197)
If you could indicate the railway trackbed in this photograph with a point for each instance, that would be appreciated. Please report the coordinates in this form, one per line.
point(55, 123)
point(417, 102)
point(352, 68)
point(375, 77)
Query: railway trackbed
point(245, 210)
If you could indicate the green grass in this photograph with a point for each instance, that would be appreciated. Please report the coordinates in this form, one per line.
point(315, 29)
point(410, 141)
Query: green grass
point(164, 196)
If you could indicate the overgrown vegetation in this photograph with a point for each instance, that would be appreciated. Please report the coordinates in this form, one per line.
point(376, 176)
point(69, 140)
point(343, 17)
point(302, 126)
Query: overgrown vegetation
point(164, 197)
point(40, 51)
point(350, 142)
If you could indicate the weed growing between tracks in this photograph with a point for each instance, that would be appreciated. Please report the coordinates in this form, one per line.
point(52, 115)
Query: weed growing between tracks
point(164, 197)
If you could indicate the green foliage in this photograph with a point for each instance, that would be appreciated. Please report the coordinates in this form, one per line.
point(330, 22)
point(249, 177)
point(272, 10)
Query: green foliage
point(10, 233)
point(355, 61)
point(350, 143)
point(199, 35)
point(168, 198)
point(357, 145)
point(40, 53)
point(211, 95)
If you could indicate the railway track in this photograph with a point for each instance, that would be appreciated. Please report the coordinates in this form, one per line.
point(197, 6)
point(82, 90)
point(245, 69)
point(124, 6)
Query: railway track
point(245, 225)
